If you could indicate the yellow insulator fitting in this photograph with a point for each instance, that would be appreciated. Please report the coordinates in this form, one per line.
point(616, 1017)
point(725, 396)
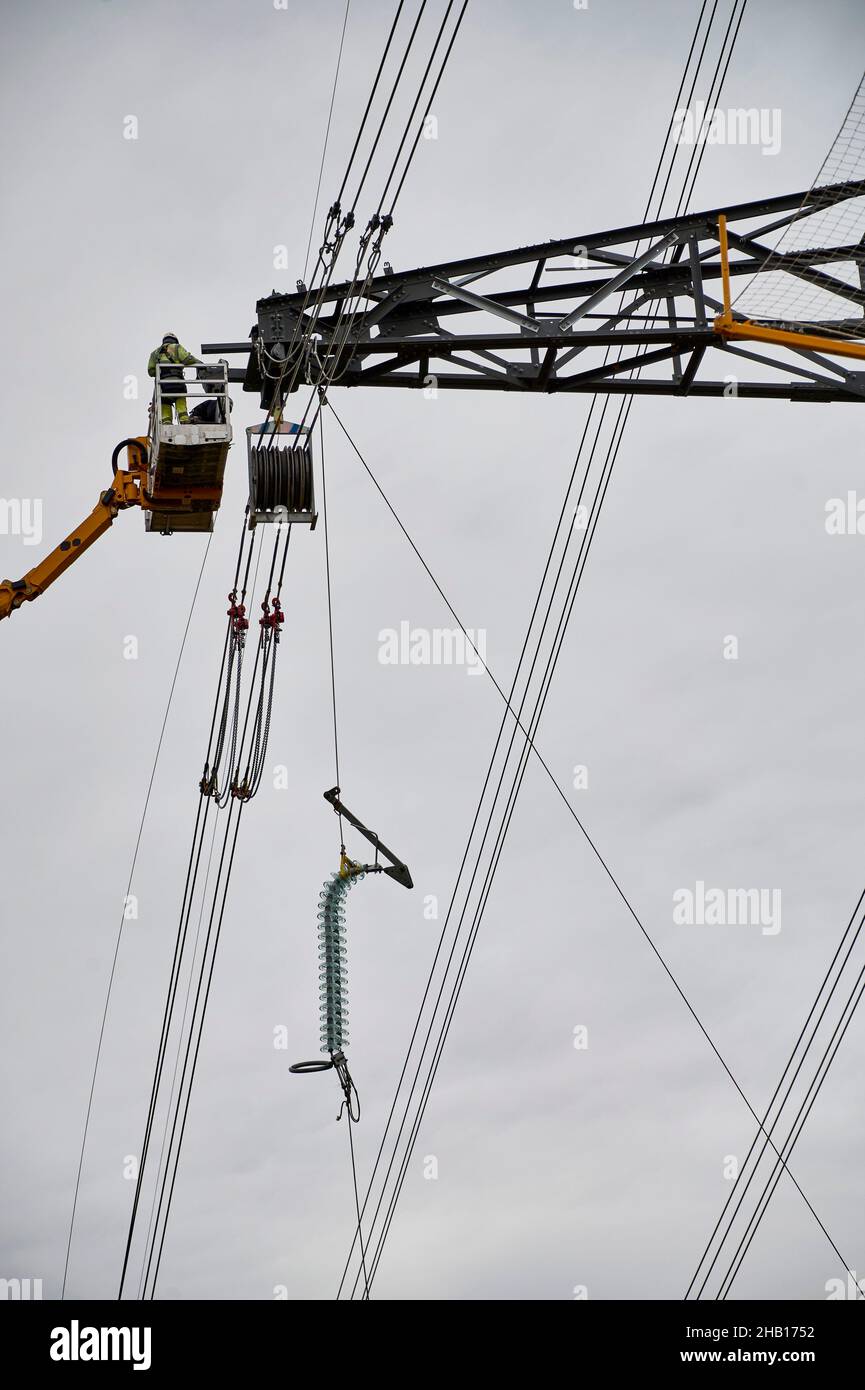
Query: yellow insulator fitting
point(348, 867)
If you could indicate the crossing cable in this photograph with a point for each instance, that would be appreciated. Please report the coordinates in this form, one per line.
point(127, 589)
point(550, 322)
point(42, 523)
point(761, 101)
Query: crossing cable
point(230, 650)
point(350, 1126)
point(191, 879)
point(180, 945)
point(525, 754)
point(518, 722)
point(351, 1118)
point(466, 956)
point(190, 1063)
point(330, 614)
point(305, 327)
point(377, 227)
point(429, 104)
point(340, 335)
point(168, 1012)
point(358, 137)
point(326, 137)
point(167, 1199)
point(720, 77)
point(597, 435)
point(495, 799)
point(733, 1192)
point(623, 412)
point(338, 341)
point(370, 99)
point(390, 102)
point(159, 1166)
point(417, 99)
point(779, 1161)
point(787, 1146)
point(687, 103)
point(115, 955)
point(816, 1085)
point(530, 745)
point(179, 948)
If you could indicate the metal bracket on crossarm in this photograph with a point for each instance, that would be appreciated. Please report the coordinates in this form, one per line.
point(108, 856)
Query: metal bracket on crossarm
point(398, 870)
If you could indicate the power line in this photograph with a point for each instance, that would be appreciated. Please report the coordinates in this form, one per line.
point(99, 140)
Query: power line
point(611, 455)
point(814, 1089)
point(326, 137)
point(350, 1125)
point(492, 809)
point(123, 917)
point(256, 750)
point(159, 1166)
point(735, 1192)
point(329, 612)
point(531, 745)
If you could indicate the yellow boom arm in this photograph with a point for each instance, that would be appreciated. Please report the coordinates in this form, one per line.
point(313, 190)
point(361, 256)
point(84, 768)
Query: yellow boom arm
point(127, 490)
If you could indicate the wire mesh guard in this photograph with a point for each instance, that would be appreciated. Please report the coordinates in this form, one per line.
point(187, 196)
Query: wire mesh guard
point(794, 290)
point(281, 485)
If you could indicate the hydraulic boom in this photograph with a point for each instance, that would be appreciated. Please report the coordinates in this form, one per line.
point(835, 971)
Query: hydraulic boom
point(127, 490)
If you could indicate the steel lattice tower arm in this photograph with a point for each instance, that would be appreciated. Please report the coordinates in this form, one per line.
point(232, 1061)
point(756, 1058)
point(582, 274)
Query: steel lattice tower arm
point(552, 317)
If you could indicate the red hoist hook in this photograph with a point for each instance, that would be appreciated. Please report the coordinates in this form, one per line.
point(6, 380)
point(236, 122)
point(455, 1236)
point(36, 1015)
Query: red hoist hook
point(237, 614)
point(272, 620)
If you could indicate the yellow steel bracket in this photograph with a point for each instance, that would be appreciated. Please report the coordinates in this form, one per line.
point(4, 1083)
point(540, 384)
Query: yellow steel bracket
point(738, 329)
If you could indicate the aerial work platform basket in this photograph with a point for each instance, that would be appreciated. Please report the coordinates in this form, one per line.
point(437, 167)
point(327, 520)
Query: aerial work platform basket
point(188, 456)
point(280, 473)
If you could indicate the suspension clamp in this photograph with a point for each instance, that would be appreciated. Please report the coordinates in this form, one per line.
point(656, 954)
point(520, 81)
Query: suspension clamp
point(208, 783)
point(349, 1090)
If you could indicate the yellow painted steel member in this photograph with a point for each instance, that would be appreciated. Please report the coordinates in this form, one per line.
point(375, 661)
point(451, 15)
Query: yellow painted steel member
point(743, 329)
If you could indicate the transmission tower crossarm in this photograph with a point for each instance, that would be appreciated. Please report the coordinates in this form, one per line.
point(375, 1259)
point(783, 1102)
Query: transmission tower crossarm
point(411, 331)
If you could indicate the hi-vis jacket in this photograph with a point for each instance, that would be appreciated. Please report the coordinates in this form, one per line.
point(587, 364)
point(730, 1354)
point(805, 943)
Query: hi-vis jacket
point(174, 353)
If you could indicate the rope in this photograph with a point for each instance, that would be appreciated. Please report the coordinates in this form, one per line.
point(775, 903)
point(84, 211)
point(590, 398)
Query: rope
point(612, 452)
point(122, 919)
point(195, 1055)
point(326, 137)
point(357, 1209)
point(330, 617)
point(159, 1166)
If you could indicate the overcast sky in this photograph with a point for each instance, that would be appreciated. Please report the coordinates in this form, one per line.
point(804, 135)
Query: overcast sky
point(557, 1167)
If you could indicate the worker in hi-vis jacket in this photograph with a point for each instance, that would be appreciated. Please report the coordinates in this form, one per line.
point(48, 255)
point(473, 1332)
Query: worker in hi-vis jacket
point(173, 357)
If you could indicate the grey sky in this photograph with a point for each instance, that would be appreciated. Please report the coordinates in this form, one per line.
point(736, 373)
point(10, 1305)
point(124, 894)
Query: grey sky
point(556, 1167)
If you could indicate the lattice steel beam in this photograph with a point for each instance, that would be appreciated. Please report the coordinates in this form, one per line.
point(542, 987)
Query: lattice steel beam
point(612, 312)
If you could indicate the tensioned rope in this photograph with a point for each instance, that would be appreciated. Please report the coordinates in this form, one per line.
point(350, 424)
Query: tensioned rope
point(597, 436)
point(734, 16)
point(180, 1136)
point(200, 825)
point(116, 952)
